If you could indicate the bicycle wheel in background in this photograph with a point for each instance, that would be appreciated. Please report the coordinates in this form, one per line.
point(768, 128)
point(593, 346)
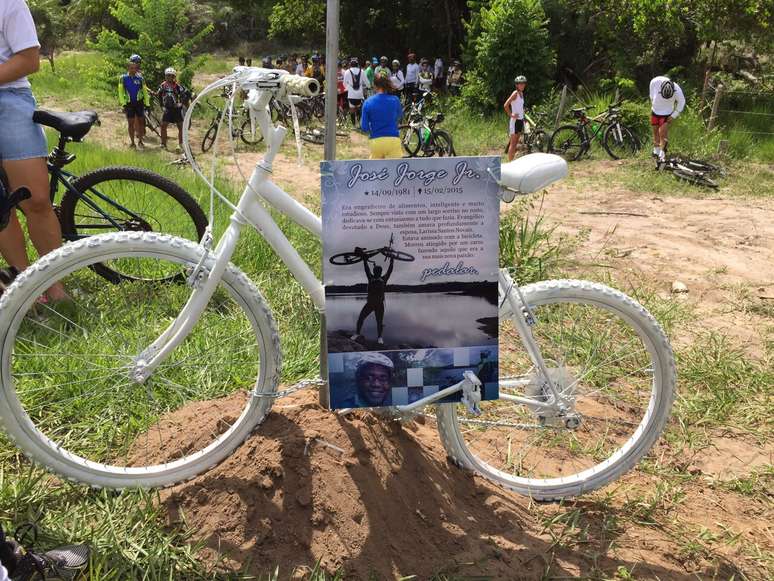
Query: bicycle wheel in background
point(71, 398)
point(442, 143)
point(537, 142)
point(209, 138)
point(567, 141)
point(615, 371)
point(121, 199)
point(246, 134)
point(696, 178)
point(410, 139)
point(620, 142)
point(153, 116)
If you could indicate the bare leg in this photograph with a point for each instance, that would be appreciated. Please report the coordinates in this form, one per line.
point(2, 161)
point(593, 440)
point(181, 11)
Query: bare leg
point(180, 135)
point(164, 134)
point(664, 135)
point(42, 223)
point(131, 130)
point(656, 137)
point(139, 128)
point(512, 146)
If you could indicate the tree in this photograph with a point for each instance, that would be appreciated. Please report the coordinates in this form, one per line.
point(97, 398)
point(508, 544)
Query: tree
point(159, 31)
point(300, 21)
point(48, 16)
point(512, 40)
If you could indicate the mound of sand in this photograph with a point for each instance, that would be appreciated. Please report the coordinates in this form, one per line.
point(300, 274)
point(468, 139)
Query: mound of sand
point(379, 500)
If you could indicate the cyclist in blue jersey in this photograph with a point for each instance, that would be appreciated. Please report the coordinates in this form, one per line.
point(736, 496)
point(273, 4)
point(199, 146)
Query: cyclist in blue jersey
point(133, 96)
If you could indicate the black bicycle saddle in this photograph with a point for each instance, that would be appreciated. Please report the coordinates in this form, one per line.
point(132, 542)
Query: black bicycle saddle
point(73, 126)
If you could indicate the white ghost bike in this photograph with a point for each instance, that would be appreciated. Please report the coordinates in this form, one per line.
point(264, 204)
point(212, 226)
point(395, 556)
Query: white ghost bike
point(104, 390)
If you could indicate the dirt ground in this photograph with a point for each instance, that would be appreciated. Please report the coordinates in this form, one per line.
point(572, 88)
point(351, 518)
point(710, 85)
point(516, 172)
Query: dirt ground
point(379, 500)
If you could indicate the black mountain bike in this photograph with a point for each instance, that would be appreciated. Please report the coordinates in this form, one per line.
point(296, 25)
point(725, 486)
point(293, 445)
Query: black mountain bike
point(361, 254)
point(240, 128)
point(421, 137)
point(113, 199)
point(573, 141)
point(693, 171)
point(536, 139)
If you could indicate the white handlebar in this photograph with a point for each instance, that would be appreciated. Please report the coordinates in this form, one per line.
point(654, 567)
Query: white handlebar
point(275, 80)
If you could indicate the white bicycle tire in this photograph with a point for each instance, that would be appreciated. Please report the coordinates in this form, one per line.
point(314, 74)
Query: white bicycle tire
point(634, 449)
point(42, 450)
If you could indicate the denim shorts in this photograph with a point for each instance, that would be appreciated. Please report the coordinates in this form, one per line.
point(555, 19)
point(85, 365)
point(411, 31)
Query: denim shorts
point(20, 136)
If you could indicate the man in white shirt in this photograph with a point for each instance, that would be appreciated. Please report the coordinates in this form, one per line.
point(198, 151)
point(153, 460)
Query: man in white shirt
point(438, 72)
point(412, 76)
point(355, 81)
point(396, 77)
point(23, 147)
point(666, 102)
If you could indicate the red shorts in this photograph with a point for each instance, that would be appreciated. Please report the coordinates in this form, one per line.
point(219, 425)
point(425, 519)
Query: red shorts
point(658, 120)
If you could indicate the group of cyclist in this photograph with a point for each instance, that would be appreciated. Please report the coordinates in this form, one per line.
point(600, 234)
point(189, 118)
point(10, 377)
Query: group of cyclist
point(666, 99)
point(134, 97)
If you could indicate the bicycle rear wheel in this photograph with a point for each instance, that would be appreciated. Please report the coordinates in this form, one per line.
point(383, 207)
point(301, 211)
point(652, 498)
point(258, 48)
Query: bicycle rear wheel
point(246, 134)
point(613, 365)
point(696, 178)
point(537, 142)
point(567, 141)
point(120, 199)
point(619, 142)
point(442, 143)
point(70, 396)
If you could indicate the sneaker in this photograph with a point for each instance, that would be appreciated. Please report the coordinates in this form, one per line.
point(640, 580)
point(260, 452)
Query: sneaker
point(355, 337)
point(380, 341)
point(62, 563)
point(661, 157)
point(140, 145)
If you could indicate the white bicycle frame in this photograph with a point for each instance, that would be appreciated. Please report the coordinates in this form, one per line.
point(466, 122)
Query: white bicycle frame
point(251, 210)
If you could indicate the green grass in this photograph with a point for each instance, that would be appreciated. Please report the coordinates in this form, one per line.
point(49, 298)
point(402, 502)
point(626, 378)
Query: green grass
point(75, 82)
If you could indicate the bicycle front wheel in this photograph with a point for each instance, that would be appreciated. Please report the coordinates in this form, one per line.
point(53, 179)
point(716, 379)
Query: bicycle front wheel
point(567, 141)
point(619, 142)
point(120, 199)
point(246, 133)
point(696, 178)
point(614, 368)
point(71, 398)
point(410, 139)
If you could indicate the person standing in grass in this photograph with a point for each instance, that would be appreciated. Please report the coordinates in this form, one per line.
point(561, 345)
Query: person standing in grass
point(412, 76)
point(514, 108)
point(23, 147)
point(173, 96)
point(133, 96)
point(425, 77)
point(380, 117)
point(370, 72)
point(666, 103)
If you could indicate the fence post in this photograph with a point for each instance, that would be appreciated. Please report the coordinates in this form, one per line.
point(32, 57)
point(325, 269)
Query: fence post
point(715, 107)
point(705, 87)
point(562, 103)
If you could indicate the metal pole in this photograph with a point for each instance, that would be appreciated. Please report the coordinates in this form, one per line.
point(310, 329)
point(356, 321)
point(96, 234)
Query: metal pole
point(331, 70)
point(331, 106)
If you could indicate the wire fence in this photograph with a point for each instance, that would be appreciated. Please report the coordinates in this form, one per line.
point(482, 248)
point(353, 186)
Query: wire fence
point(740, 111)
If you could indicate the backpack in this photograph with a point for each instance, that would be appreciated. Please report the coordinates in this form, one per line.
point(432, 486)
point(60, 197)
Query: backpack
point(356, 80)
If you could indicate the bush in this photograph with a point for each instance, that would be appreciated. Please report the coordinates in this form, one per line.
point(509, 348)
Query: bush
point(512, 41)
point(156, 26)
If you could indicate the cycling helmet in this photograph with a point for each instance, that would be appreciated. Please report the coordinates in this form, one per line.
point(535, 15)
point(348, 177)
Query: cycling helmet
point(396, 62)
point(354, 62)
point(169, 71)
point(424, 62)
point(266, 64)
point(315, 58)
point(520, 79)
point(384, 59)
point(136, 59)
point(375, 61)
point(667, 89)
point(372, 358)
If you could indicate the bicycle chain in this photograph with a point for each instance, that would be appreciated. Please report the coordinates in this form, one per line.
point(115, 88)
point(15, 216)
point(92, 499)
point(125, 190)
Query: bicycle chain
point(301, 385)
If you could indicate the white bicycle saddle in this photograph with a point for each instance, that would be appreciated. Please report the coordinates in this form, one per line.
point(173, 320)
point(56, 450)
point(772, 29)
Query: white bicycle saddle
point(532, 172)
